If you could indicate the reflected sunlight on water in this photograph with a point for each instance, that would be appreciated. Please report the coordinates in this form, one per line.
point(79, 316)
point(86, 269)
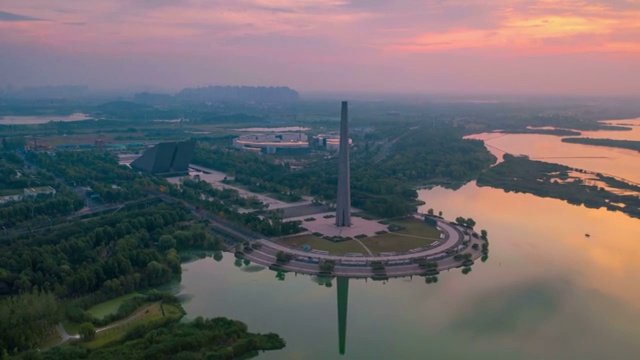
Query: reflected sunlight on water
point(619, 162)
point(546, 292)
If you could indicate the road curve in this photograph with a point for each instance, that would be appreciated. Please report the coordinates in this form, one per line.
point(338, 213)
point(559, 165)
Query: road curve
point(456, 239)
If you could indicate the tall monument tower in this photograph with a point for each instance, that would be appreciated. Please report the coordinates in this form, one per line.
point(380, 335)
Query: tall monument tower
point(343, 203)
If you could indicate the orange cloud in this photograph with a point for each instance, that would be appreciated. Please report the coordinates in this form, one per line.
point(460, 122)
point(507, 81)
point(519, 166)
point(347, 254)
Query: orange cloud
point(592, 29)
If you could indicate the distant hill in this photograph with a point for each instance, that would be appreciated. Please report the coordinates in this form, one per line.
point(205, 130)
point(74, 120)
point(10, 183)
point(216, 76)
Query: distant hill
point(127, 110)
point(154, 98)
point(48, 92)
point(218, 94)
point(121, 105)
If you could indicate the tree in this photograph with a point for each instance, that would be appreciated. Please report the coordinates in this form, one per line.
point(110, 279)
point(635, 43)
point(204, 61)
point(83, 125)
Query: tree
point(471, 223)
point(87, 331)
point(483, 234)
point(167, 242)
point(217, 256)
point(430, 211)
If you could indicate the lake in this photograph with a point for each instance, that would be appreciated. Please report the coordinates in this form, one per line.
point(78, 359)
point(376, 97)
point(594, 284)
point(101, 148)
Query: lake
point(619, 162)
point(275, 129)
point(547, 291)
point(32, 120)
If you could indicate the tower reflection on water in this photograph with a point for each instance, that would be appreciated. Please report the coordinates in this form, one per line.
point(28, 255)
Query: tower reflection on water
point(343, 300)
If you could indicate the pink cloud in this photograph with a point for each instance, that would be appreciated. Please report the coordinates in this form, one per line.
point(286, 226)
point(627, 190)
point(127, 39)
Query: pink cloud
point(301, 41)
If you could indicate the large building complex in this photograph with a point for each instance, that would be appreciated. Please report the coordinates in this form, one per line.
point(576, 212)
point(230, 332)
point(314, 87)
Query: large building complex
point(343, 202)
point(330, 142)
point(167, 158)
point(27, 193)
point(273, 143)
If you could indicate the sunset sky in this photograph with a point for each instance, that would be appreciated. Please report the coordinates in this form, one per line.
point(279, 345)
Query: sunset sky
point(404, 46)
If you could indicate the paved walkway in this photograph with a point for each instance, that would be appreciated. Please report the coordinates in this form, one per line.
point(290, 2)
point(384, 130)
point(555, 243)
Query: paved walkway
point(327, 226)
point(449, 242)
point(66, 337)
point(215, 178)
point(397, 265)
point(364, 246)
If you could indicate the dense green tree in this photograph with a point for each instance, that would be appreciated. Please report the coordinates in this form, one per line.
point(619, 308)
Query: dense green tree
point(87, 331)
point(167, 242)
point(26, 319)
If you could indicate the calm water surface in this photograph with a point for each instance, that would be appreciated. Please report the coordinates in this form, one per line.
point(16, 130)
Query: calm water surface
point(275, 129)
point(31, 120)
point(620, 162)
point(546, 291)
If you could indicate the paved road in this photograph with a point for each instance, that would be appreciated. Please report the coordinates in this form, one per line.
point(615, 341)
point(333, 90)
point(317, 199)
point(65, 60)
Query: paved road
point(66, 337)
point(386, 149)
point(215, 178)
point(453, 236)
point(396, 265)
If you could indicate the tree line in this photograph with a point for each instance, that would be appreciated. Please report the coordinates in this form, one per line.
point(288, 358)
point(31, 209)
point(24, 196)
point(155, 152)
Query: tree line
point(211, 339)
point(384, 189)
point(99, 171)
point(520, 174)
point(200, 194)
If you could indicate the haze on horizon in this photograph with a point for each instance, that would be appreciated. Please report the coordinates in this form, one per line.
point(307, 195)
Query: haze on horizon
point(434, 46)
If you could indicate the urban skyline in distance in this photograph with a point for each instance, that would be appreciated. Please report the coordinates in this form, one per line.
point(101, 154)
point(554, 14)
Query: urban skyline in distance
point(473, 47)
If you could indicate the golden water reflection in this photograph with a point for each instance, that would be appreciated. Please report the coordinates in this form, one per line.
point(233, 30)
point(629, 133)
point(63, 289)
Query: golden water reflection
point(619, 162)
point(546, 237)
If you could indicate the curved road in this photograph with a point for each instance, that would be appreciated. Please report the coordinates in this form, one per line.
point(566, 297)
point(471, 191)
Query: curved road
point(66, 337)
point(348, 266)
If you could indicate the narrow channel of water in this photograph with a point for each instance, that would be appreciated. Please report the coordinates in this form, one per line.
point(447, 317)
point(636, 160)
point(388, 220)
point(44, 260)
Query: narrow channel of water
point(32, 120)
point(619, 162)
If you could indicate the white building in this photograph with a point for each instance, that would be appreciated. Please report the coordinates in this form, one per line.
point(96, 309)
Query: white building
point(36, 191)
point(10, 198)
point(272, 143)
point(329, 141)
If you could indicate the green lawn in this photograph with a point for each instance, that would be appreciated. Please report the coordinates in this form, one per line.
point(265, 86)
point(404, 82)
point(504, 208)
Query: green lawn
point(115, 333)
point(394, 243)
point(417, 234)
point(101, 310)
point(316, 243)
point(50, 340)
point(72, 328)
point(417, 227)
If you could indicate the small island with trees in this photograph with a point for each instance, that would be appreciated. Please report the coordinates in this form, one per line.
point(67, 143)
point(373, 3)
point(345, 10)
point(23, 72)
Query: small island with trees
point(621, 144)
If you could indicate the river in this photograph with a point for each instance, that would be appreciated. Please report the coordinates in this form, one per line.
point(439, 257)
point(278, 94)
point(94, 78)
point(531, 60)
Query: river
point(619, 162)
point(547, 290)
point(41, 119)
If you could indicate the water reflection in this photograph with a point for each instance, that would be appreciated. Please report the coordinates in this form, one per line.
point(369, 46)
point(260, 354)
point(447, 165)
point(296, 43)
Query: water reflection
point(547, 293)
point(547, 236)
point(343, 301)
point(550, 148)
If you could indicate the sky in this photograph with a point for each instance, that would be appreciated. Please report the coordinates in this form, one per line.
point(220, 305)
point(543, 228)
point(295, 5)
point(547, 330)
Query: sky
point(406, 46)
